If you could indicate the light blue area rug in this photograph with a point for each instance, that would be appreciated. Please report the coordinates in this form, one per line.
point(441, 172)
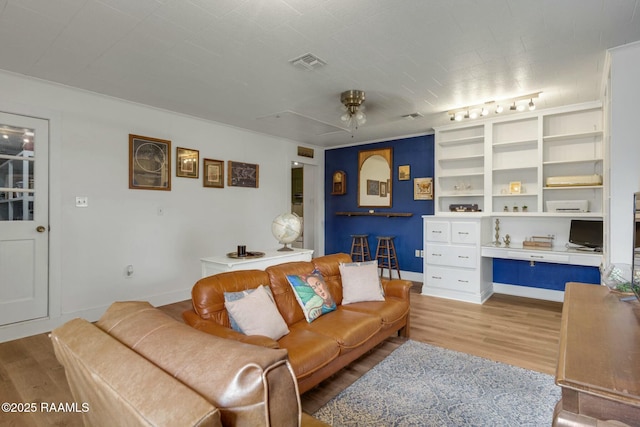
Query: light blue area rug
point(422, 385)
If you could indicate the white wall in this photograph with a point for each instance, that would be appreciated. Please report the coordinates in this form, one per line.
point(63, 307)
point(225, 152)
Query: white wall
point(624, 153)
point(90, 247)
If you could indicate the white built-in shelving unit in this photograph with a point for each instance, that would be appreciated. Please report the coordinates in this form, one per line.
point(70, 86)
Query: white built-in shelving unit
point(476, 162)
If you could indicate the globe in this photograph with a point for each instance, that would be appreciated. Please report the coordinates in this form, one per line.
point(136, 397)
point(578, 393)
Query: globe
point(286, 228)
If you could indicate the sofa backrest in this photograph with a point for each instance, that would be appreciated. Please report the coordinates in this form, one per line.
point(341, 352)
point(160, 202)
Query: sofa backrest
point(117, 387)
point(250, 385)
point(282, 291)
point(207, 294)
point(329, 266)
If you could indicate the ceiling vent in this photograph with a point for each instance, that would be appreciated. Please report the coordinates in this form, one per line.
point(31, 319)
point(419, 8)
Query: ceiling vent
point(412, 116)
point(308, 61)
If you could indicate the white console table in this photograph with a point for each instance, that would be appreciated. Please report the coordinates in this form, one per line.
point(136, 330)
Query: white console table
point(222, 263)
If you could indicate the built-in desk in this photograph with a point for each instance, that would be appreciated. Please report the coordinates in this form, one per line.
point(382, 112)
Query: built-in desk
point(222, 263)
point(599, 358)
point(554, 255)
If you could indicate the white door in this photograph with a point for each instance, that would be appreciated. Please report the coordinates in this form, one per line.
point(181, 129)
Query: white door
point(24, 218)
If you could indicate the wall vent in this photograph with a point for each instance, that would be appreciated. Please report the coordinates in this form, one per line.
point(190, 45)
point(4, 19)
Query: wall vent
point(308, 61)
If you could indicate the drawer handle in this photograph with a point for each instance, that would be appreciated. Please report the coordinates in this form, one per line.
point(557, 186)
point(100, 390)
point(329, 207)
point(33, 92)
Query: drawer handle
point(463, 256)
point(436, 254)
point(463, 281)
point(463, 232)
point(536, 256)
point(436, 277)
point(436, 232)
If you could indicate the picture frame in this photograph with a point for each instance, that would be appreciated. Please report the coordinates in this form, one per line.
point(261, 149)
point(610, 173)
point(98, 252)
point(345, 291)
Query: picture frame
point(187, 163)
point(383, 189)
point(373, 187)
point(423, 189)
point(213, 173)
point(243, 174)
point(404, 173)
point(149, 163)
point(515, 187)
point(375, 166)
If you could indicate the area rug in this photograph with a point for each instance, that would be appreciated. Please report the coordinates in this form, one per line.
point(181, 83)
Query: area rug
point(422, 385)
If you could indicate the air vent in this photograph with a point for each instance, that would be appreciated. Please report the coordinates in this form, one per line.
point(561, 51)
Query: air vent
point(308, 61)
point(412, 116)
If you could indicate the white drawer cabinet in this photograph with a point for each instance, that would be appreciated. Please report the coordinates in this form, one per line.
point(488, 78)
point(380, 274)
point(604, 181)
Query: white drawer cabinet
point(453, 266)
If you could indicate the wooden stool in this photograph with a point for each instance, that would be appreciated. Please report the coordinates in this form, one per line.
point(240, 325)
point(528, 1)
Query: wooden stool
point(386, 255)
point(360, 248)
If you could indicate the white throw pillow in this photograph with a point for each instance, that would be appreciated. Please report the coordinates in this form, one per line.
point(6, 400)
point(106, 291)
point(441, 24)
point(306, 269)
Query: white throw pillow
point(360, 282)
point(256, 314)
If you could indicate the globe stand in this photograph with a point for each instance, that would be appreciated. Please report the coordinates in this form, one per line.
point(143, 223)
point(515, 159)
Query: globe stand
point(285, 248)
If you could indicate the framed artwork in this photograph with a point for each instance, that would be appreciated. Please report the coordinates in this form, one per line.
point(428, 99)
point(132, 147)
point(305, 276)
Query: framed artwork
point(404, 173)
point(149, 163)
point(423, 189)
point(187, 161)
point(383, 189)
point(515, 187)
point(373, 187)
point(213, 173)
point(243, 175)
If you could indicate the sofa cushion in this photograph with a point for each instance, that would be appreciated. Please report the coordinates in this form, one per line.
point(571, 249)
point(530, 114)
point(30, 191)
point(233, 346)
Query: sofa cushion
point(235, 296)
point(312, 294)
point(390, 311)
point(251, 385)
point(349, 328)
point(360, 282)
point(308, 351)
point(256, 314)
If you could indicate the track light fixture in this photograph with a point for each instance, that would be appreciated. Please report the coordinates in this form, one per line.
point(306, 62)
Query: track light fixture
point(481, 110)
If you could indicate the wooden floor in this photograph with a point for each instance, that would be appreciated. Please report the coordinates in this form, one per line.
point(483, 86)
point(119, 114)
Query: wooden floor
point(518, 331)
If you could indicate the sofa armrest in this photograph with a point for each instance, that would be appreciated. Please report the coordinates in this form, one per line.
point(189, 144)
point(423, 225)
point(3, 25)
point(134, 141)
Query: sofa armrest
point(397, 288)
point(213, 328)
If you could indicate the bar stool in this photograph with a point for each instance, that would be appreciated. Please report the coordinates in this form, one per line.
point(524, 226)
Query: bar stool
point(386, 255)
point(360, 248)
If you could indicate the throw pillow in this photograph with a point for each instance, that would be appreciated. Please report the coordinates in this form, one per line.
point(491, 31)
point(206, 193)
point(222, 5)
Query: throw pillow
point(235, 296)
point(312, 294)
point(360, 282)
point(257, 314)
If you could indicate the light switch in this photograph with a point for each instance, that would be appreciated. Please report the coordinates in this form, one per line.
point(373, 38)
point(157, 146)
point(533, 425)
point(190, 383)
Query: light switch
point(82, 202)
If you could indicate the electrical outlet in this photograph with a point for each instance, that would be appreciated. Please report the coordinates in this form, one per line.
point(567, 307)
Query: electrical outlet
point(421, 253)
point(82, 202)
point(128, 271)
point(417, 253)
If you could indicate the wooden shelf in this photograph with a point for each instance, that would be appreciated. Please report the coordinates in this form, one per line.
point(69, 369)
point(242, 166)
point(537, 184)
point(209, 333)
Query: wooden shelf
point(387, 214)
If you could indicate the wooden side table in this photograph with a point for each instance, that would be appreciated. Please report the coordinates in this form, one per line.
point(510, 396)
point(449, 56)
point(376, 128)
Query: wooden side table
point(599, 358)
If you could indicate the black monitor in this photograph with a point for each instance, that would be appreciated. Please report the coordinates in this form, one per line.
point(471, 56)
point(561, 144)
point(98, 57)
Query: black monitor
point(586, 233)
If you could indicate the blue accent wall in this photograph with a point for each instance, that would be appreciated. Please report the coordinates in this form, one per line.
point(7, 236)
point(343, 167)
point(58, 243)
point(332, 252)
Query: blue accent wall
point(542, 274)
point(417, 152)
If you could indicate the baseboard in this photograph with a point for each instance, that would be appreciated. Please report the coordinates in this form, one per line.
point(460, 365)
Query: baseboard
point(529, 292)
point(46, 324)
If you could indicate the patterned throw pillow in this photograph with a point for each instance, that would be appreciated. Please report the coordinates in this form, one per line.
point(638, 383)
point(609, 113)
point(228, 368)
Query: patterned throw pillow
point(360, 282)
point(312, 294)
point(235, 296)
point(257, 314)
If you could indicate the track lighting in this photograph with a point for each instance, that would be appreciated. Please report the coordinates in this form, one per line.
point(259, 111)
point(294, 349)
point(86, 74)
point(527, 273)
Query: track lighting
point(481, 110)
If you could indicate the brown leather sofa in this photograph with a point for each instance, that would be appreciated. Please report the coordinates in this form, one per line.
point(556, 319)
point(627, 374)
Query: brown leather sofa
point(139, 367)
point(318, 349)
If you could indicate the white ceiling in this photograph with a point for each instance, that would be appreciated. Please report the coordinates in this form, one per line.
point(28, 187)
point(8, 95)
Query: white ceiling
point(228, 60)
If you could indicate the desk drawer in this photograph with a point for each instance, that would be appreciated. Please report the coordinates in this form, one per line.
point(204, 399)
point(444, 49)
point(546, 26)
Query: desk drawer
point(451, 278)
point(539, 256)
point(464, 232)
point(454, 256)
point(437, 231)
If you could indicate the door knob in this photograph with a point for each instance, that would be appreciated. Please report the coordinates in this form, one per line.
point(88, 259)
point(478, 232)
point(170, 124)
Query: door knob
point(40, 229)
